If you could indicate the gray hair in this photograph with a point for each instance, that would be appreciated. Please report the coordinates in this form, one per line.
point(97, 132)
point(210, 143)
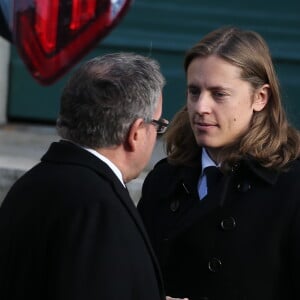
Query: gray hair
point(106, 95)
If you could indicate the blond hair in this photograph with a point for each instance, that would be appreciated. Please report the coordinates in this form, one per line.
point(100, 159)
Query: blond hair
point(271, 140)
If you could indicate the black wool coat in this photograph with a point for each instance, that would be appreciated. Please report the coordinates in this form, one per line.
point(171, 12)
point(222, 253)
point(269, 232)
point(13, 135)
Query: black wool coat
point(242, 242)
point(70, 231)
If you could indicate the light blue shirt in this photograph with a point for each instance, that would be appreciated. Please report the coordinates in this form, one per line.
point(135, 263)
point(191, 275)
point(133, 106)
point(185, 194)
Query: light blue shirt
point(206, 161)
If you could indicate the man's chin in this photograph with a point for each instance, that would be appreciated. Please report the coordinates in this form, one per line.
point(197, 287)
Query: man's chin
point(206, 144)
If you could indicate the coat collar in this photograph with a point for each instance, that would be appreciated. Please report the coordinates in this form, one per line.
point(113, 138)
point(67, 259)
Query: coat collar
point(191, 174)
point(186, 177)
point(265, 174)
point(65, 152)
point(180, 177)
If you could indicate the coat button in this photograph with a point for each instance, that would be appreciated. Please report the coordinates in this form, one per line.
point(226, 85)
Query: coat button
point(214, 265)
point(228, 224)
point(174, 206)
point(244, 187)
point(235, 167)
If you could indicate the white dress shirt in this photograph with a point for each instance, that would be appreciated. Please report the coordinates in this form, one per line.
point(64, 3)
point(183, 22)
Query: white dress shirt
point(113, 167)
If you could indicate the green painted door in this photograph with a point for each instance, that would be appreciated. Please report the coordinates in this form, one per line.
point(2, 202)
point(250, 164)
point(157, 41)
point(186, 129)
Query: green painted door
point(165, 29)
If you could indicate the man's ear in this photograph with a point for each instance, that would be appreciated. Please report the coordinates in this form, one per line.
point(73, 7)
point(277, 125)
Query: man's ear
point(261, 97)
point(134, 135)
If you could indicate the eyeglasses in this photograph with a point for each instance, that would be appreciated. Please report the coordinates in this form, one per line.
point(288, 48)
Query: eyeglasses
point(161, 125)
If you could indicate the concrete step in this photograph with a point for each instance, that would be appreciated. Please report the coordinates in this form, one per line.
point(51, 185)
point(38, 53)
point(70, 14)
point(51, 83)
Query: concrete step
point(22, 146)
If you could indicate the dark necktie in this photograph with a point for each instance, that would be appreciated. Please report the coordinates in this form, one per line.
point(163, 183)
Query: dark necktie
point(213, 176)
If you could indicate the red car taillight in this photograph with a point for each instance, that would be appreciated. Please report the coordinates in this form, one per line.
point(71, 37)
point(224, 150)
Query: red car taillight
point(52, 35)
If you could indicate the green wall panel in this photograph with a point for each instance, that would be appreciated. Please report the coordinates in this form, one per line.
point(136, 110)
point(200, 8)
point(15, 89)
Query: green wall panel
point(164, 30)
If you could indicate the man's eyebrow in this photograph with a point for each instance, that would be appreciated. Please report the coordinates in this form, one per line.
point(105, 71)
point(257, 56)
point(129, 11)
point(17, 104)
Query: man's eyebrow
point(218, 87)
point(192, 85)
point(213, 87)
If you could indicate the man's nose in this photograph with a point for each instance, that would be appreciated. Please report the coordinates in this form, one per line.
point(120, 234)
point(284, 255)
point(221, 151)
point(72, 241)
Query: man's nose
point(204, 103)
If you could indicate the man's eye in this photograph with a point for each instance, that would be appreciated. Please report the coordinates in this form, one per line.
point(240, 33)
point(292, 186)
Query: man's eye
point(193, 91)
point(219, 94)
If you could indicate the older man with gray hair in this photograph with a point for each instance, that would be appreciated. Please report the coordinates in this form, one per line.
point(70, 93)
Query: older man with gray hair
point(68, 227)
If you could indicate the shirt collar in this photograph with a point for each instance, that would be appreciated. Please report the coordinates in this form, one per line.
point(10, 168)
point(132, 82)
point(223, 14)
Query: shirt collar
point(206, 161)
point(113, 167)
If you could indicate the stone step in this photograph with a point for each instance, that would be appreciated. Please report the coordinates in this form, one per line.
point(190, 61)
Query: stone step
point(22, 146)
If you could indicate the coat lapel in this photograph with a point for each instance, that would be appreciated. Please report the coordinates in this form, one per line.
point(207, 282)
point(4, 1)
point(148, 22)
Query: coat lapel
point(192, 209)
point(128, 203)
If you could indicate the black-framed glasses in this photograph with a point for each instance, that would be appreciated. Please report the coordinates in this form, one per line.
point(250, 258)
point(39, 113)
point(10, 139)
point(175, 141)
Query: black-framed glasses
point(161, 125)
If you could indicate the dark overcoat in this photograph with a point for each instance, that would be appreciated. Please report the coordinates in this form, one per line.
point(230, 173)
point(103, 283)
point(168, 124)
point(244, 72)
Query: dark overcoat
point(242, 242)
point(69, 230)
